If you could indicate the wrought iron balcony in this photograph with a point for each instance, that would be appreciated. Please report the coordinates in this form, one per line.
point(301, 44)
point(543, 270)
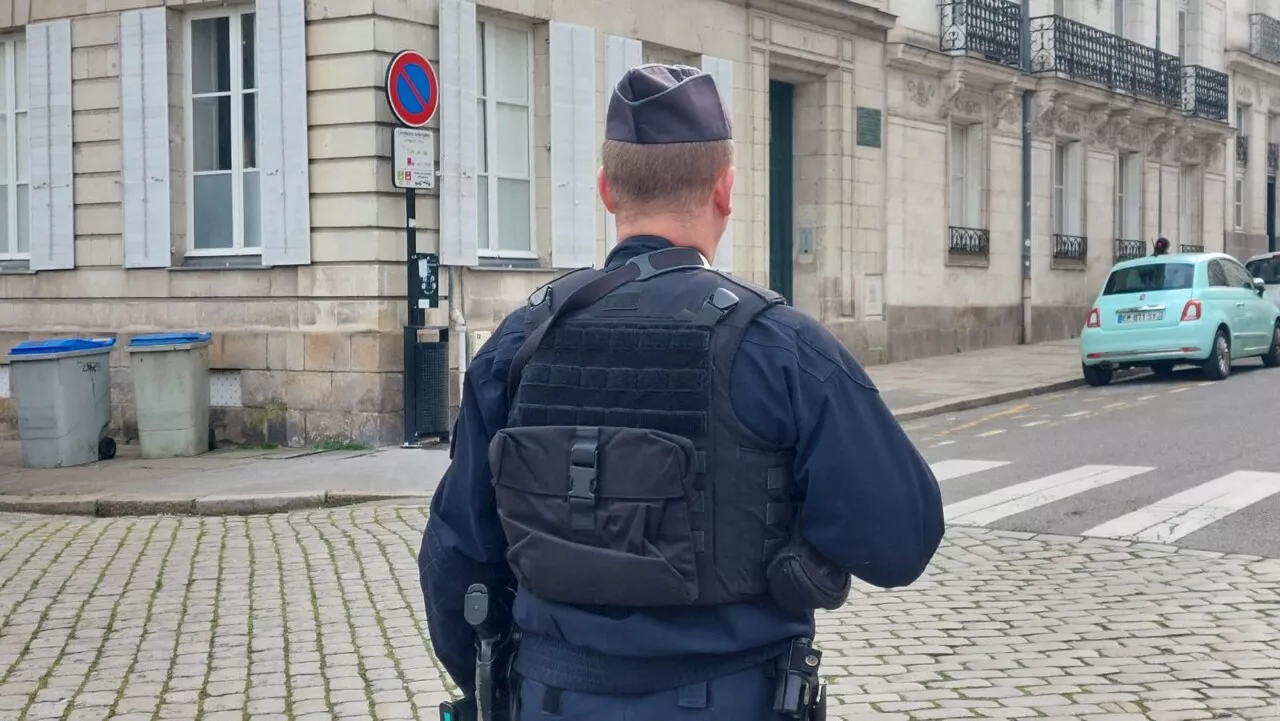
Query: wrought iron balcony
point(1130, 249)
point(1189, 248)
point(1204, 92)
point(971, 242)
point(1273, 158)
point(1070, 247)
point(989, 29)
point(1242, 150)
point(1264, 39)
point(1060, 45)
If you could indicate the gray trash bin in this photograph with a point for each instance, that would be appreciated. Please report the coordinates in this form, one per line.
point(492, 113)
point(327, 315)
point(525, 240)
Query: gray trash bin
point(171, 393)
point(63, 390)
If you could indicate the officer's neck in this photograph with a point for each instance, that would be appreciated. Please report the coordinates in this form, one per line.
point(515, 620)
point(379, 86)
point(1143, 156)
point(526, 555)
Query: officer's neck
point(682, 231)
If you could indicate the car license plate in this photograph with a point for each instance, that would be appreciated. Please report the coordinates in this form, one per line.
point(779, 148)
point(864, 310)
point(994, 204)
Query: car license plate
point(1140, 316)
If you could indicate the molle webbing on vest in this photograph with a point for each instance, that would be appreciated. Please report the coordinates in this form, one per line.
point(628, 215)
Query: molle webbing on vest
point(637, 376)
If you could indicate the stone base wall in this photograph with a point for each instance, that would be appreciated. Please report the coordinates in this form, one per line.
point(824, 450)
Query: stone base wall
point(295, 388)
point(1245, 245)
point(923, 331)
point(1057, 322)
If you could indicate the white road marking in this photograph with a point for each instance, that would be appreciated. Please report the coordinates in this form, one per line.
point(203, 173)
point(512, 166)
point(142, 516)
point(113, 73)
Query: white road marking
point(1077, 414)
point(1034, 423)
point(1146, 398)
point(988, 507)
point(996, 432)
point(942, 443)
point(946, 470)
point(1180, 390)
point(1184, 513)
point(1114, 405)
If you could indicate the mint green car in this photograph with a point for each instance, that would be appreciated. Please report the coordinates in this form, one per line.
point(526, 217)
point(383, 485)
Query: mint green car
point(1200, 309)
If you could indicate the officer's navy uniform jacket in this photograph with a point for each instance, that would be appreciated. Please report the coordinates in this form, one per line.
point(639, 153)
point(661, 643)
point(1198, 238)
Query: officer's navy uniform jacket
point(869, 504)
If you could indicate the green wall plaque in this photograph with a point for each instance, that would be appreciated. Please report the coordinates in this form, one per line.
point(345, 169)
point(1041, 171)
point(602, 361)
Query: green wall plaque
point(869, 127)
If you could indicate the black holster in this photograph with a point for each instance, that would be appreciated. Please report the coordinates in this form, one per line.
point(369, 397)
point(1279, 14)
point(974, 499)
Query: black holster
point(801, 580)
point(800, 693)
point(494, 653)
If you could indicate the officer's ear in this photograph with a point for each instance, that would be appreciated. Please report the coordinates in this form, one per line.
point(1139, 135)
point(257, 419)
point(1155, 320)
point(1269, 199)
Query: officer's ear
point(606, 194)
point(722, 193)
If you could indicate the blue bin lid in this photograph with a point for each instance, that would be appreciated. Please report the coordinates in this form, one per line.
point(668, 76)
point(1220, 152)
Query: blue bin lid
point(152, 339)
point(60, 345)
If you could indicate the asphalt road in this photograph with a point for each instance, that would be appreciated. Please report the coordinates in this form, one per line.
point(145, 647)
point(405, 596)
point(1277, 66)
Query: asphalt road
point(1175, 461)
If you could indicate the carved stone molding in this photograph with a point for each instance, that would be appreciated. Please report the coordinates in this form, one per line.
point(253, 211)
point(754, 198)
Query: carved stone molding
point(1073, 124)
point(1096, 121)
point(1162, 131)
point(1007, 107)
point(1243, 90)
point(953, 92)
point(1049, 109)
point(921, 92)
point(1115, 131)
point(1130, 137)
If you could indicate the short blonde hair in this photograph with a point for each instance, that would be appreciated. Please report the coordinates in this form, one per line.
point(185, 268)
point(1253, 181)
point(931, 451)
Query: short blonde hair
point(666, 176)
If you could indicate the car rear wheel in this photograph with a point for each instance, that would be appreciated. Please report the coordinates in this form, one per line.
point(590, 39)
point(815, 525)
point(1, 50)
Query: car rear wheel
point(1097, 375)
point(1271, 358)
point(1162, 368)
point(1218, 365)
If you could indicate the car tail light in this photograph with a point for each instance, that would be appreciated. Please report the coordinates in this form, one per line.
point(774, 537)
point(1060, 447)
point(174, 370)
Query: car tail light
point(1094, 320)
point(1191, 311)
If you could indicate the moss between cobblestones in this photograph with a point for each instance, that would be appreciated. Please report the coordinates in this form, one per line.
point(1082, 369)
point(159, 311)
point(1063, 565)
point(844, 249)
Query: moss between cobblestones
point(203, 694)
point(355, 643)
point(445, 678)
point(253, 574)
point(315, 613)
point(177, 636)
point(284, 619)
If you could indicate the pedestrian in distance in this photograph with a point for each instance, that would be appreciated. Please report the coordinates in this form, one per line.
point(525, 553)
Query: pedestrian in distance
point(659, 471)
point(1162, 246)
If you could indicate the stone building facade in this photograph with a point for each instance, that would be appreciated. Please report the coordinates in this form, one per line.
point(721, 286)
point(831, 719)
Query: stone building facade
point(1127, 144)
point(226, 166)
point(1253, 61)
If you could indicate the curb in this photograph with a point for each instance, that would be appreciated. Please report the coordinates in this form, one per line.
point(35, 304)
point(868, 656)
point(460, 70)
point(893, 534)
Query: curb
point(968, 403)
point(242, 505)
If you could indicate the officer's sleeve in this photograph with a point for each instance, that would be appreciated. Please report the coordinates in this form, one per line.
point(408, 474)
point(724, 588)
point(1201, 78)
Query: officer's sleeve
point(463, 542)
point(871, 503)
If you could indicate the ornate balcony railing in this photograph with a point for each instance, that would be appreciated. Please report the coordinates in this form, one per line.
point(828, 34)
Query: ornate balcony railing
point(1070, 247)
point(1264, 38)
point(1204, 92)
point(1242, 150)
point(1189, 248)
point(1060, 45)
point(1130, 249)
point(986, 28)
point(1273, 158)
point(971, 242)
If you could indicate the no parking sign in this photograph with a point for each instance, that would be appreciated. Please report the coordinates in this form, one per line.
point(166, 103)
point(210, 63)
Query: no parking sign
point(412, 89)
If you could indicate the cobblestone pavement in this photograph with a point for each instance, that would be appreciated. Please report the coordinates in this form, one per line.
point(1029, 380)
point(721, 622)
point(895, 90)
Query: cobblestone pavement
point(317, 615)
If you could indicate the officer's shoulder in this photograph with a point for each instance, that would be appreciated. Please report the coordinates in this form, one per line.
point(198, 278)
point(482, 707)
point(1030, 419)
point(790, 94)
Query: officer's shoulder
point(810, 345)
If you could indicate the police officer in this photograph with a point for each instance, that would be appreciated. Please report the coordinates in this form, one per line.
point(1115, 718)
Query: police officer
point(661, 471)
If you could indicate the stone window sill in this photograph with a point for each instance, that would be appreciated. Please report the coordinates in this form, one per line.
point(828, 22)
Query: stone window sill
point(968, 260)
point(1068, 264)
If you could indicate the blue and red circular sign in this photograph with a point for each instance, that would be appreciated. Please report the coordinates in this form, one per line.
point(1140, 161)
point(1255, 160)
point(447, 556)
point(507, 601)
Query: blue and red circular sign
point(412, 89)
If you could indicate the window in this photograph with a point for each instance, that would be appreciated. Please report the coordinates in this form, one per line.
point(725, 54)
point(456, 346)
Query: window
point(1128, 196)
point(1068, 189)
point(1237, 276)
point(504, 168)
point(1147, 278)
point(14, 158)
point(966, 176)
point(223, 205)
point(1218, 275)
point(1190, 206)
point(1268, 269)
point(1182, 31)
point(1238, 200)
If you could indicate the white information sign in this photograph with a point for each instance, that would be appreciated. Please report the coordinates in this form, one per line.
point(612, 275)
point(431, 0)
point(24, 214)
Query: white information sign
point(415, 158)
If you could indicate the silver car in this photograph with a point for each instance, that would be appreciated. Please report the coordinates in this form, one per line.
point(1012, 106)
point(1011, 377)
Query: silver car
point(1267, 267)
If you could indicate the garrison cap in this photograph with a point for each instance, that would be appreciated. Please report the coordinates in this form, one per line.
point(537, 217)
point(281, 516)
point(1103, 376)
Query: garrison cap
point(658, 104)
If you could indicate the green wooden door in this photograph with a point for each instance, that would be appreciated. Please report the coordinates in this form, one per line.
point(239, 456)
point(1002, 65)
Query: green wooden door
point(781, 186)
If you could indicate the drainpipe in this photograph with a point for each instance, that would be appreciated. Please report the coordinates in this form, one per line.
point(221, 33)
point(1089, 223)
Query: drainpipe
point(459, 323)
point(1026, 175)
point(1160, 176)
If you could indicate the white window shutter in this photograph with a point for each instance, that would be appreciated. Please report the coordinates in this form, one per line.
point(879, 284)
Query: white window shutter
point(282, 132)
point(976, 180)
point(459, 135)
point(573, 146)
point(1075, 189)
point(620, 55)
point(49, 82)
point(144, 120)
point(1133, 197)
point(722, 70)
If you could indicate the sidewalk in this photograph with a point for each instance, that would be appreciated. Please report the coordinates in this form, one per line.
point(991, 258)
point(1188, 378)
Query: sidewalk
point(243, 481)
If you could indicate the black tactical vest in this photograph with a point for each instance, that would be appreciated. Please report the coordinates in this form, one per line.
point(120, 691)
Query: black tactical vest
point(624, 478)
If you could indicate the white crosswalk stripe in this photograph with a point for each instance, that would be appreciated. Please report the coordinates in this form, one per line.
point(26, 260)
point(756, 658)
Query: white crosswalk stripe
point(1166, 520)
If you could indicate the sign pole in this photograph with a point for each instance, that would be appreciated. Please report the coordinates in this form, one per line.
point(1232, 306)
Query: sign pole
point(413, 95)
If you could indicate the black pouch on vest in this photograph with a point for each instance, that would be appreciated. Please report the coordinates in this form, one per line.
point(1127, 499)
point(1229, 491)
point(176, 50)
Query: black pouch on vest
point(801, 580)
point(597, 516)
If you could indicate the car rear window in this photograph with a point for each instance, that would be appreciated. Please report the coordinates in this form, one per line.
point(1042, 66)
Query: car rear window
point(1268, 269)
point(1146, 278)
